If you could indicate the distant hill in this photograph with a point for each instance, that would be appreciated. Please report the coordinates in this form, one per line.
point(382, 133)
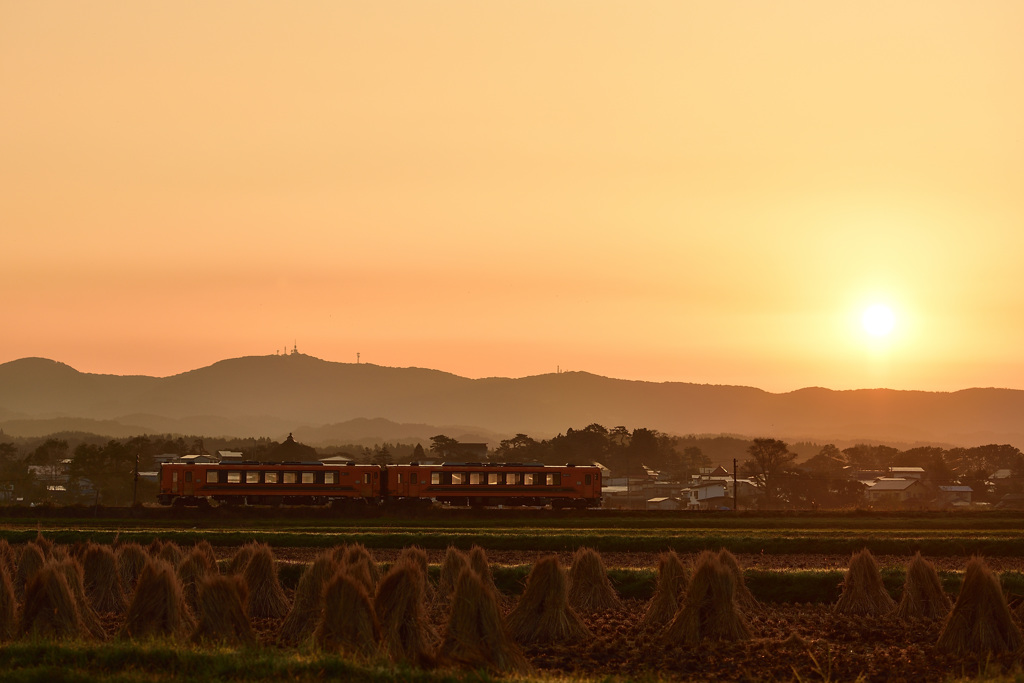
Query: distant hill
point(325, 402)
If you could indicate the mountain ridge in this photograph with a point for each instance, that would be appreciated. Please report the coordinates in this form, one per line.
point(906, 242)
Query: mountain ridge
point(271, 395)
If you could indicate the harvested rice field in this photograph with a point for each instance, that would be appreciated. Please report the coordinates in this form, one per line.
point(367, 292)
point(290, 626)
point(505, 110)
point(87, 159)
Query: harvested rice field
point(170, 612)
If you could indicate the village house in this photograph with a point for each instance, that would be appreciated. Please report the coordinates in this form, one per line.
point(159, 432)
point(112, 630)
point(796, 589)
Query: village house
point(954, 496)
point(891, 492)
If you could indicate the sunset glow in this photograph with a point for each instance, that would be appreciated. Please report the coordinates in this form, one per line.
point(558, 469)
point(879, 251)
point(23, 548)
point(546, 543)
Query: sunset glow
point(702, 191)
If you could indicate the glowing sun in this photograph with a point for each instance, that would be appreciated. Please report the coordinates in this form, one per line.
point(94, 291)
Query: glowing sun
point(878, 320)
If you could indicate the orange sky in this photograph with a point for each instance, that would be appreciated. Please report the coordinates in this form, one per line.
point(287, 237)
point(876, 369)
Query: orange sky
point(708, 192)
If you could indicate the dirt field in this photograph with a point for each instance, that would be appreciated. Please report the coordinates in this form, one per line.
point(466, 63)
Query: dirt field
point(791, 641)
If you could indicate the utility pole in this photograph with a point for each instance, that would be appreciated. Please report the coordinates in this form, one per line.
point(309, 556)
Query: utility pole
point(135, 485)
point(735, 489)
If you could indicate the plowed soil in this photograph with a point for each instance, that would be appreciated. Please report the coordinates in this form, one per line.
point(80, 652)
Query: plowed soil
point(790, 641)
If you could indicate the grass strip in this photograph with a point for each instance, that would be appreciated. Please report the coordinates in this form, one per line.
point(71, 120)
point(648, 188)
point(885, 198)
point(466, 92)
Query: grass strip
point(158, 661)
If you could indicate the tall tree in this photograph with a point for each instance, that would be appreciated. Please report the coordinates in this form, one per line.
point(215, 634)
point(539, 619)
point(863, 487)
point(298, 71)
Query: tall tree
point(769, 459)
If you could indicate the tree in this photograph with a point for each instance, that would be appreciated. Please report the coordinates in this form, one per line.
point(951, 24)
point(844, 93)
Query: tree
point(382, 455)
point(109, 468)
point(828, 461)
point(769, 459)
point(442, 445)
point(418, 455)
point(519, 448)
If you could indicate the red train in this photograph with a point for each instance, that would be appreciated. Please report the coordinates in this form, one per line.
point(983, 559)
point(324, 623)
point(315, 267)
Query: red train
point(314, 483)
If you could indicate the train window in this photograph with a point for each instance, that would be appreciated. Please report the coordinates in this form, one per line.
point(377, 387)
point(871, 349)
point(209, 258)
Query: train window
point(366, 478)
point(211, 476)
point(492, 478)
point(308, 477)
point(554, 479)
point(398, 477)
point(476, 478)
point(174, 476)
point(252, 477)
point(528, 478)
point(289, 477)
point(412, 478)
point(234, 477)
point(586, 479)
point(270, 477)
point(457, 477)
point(435, 477)
point(514, 477)
point(188, 477)
point(330, 477)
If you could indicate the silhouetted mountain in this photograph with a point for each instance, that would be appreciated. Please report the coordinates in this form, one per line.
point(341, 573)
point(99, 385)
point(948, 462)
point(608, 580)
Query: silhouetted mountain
point(323, 401)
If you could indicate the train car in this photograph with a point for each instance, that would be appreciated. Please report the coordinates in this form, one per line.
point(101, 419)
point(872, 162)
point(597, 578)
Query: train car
point(493, 484)
point(267, 483)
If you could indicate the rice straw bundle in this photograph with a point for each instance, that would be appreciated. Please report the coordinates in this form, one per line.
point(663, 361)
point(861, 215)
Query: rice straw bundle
point(418, 556)
point(102, 581)
point(923, 597)
point(267, 599)
point(451, 567)
point(475, 637)
point(589, 587)
point(8, 558)
point(29, 563)
point(8, 605)
point(669, 593)
point(191, 571)
point(241, 558)
point(347, 624)
point(863, 590)
point(980, 622)
point(50, 609)
point(206, 549)
point(543, 614)
point(220, 610)
point(171, 553)
point(44, 544)
point(744, 598)
point(406, 635)
point(478, 563)
point(709, 610)
point(131, 558)
point(356, 555)
point(308, 604)
point(158, 606)
point(76, 582)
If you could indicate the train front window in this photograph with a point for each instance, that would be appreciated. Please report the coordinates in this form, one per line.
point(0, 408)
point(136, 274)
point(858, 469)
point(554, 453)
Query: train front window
point(270, 477)
point(309, 477)
point(211, 476)
point(252, 477)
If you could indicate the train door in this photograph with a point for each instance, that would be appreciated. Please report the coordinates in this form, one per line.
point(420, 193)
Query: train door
point(190, 484)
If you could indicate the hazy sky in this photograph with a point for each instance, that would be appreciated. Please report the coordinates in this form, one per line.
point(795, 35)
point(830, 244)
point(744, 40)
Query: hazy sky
point(708, 192)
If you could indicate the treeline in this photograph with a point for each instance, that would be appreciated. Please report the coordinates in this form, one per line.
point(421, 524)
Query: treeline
point(87, 468)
